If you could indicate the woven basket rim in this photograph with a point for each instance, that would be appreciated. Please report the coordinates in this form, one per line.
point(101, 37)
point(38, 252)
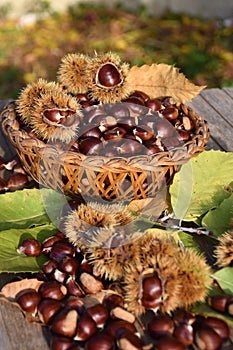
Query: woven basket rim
point(175, 156)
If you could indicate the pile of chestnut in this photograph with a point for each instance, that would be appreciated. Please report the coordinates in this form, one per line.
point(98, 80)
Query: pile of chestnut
point(13, 176)
point(139, 125)
point(63, 303)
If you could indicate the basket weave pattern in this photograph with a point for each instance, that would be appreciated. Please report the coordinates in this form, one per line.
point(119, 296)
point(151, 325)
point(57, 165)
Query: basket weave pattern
point(120, 178)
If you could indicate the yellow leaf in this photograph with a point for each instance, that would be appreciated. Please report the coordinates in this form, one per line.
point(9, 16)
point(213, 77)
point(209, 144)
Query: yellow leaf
point(162, 79)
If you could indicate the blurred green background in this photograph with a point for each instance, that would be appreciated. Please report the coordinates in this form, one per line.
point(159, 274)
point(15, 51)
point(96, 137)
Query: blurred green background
point(201, 48)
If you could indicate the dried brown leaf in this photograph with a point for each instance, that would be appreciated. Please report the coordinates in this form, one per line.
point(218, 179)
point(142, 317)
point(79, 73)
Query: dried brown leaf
point(11, 289)
point(162, 79)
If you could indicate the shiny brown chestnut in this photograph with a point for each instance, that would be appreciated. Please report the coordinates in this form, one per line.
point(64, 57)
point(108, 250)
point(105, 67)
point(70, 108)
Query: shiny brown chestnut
point(30, 247)
point(151, 287)
point(65, 322)
point(69, 265)
point(170, 113)
point(47, 244)
point(100, 341)
point(60, 250)
point(90, 145)
point(54, 116)
point(118, 110)
point(28, 299)
point(112, 300)
point(53, 290)
point(108, 75)
point(129, 340)
point(99, 313)
point(17, 182)
point(47, 308)
point(49, 266)
point(169, 342)
point(164, 128)
point(3, 185)
point(154, 104)
point(207, 339)
point(184, 333)
point(115, 327)
point(89, 131)
point(218, 325)
point(86, 327)
point(160, 325)
point(151, 304)
point(73, 287)
point(140, 94)
point(131, 147)
point(60, 343)
point(143, 132)
point(59, 276)
point(114, 134)
point(218, 302)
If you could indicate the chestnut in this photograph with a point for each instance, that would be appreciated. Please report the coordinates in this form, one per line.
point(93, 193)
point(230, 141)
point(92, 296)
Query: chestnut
point(114, 134)
point(113, 300)
point(119, 110)
point(65, 322)
point(183, 135)
point(90, 284)
point(90, 145)
point(152, 149)
point(141, 95)
point(143, 132)
point(3, 185)
point(60, 343)
point(218, 302)
point(169, 342)
point(28, 299)
point(164, 128)
point(92, 112)
point(116, 327)
point(99, 313)
point(74, 288)
point(207, 339)
point(218, 325)
point(129, 340)
point(47, 308)
point(30, 247)
point(47, 244)
point(105, 122)
point(184, 333)
point(131, 147)
point(49, 266)
point(53, 290)
point(151, 304)
point(108, 75)
point(86, 327)
point(187, 123)
point(60, 250)
point(170, 113)
point(90, 131)
point(151, 287)
point(154, 104)
point(59, 276)
point(100, 341)
point(69, 265)
point(160, 325)
point(17, 182)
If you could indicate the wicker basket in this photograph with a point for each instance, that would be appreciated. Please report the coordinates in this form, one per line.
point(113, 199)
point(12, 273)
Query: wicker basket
point(93, 177)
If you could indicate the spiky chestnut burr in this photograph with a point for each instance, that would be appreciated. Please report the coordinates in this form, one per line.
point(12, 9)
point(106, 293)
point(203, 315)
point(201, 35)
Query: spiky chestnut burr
point(49, 111)
point(224, 250)
point(106, 78)
point(184, 275)
point(111, 250)
point(71, 73)
point(79, 223)
point(157, 262)
point(28, 96)
point(194, 276)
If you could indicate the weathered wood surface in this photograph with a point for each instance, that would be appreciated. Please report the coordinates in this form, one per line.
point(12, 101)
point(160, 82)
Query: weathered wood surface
point(215, 106)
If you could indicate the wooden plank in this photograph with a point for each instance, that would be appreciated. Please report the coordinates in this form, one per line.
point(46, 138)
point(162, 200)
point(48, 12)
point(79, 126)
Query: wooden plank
point(228, 91)
point(221, 131)
point(18, 334)
point(221, 101)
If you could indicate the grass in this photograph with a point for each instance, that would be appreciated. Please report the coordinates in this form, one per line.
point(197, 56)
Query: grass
point(202, 49)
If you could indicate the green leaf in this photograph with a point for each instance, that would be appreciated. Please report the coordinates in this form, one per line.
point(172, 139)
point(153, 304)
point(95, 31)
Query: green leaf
point(217, 220)
point(224, 277)
point(11, 260)
point(25, 208)
point(200, 184)
point(206, 310)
